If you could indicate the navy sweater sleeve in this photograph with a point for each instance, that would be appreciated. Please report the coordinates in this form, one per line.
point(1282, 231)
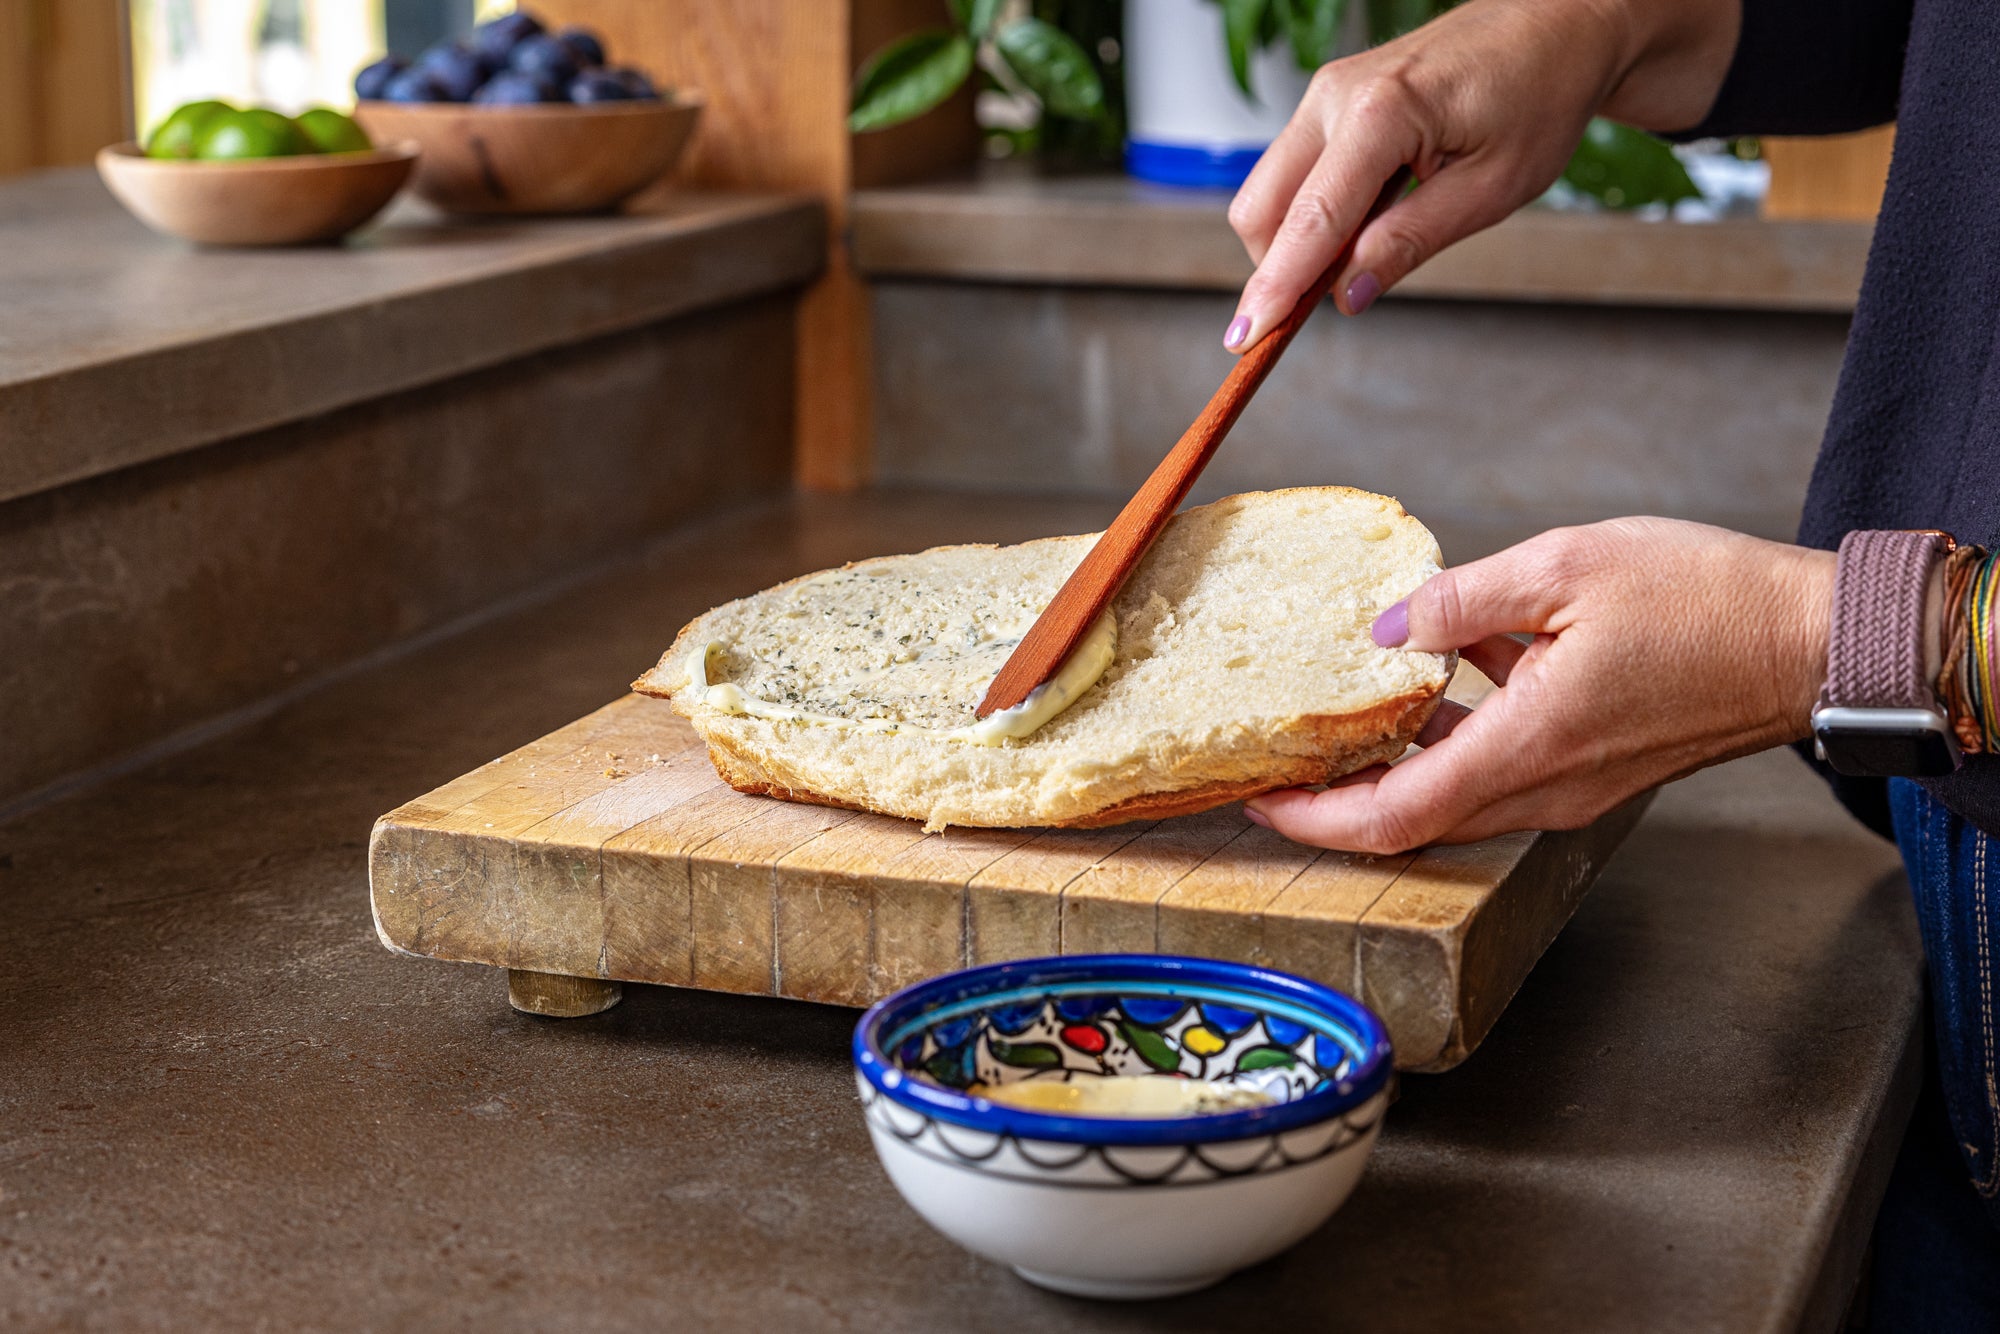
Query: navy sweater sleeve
point(1913, 435)
point(1811, 67)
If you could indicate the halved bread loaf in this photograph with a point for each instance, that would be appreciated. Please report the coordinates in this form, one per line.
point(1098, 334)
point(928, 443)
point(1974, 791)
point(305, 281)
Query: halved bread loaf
point(1243, 663)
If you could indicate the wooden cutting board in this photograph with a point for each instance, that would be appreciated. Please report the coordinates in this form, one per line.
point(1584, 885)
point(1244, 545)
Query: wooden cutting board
point(610, 850)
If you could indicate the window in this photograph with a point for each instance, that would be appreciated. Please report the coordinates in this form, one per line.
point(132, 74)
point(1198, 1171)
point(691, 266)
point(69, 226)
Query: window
point(285, 54)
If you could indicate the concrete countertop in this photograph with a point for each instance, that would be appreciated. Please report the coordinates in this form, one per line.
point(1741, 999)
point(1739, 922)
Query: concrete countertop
point(121, 346)
point(1005, 224)
point(226, 1105)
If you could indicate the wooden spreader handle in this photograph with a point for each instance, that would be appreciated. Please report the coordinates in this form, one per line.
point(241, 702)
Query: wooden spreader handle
point(1091, 586)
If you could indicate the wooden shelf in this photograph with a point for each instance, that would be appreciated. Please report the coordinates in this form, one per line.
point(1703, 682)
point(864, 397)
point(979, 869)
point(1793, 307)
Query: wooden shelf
point(1012, 226)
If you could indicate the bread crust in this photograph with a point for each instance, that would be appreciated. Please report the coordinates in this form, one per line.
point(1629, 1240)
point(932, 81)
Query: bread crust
point(1403, 716)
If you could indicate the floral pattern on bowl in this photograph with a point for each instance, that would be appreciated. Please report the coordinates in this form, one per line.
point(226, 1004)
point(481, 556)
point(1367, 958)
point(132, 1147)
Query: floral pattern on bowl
point(1122, 1206)
point(1053, 1034)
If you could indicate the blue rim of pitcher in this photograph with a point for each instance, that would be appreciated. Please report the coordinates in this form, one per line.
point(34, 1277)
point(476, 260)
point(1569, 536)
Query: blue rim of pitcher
point(1327, 1012)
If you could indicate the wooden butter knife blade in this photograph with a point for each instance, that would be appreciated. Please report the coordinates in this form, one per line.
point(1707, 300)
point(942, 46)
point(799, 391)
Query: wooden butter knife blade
point(1091, 586)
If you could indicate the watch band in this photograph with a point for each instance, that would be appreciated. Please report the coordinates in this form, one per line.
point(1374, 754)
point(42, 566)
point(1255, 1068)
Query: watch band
point(1875, 656)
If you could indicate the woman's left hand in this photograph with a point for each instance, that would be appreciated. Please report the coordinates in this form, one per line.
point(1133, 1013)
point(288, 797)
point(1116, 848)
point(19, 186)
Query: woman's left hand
point(1660, 647)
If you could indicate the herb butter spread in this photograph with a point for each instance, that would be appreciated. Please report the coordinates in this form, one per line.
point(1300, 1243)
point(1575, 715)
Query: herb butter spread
point(922, 671)
point(1238, 660)
point(1079, 673)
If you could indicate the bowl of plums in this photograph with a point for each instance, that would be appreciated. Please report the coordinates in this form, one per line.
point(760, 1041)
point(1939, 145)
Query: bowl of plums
point(217, 174)
point(520, 118)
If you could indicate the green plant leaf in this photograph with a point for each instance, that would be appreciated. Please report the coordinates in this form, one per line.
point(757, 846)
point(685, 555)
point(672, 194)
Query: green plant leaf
point(1035, 1055)
point(1272, 28)
point(1392, 18)
point(1265, 1058)
point(1625, 168)
point(1311, 25)
point(1242, 24)
point(908, 77)
point(1153, 1049)
point(976, 16)
point(1053, 66)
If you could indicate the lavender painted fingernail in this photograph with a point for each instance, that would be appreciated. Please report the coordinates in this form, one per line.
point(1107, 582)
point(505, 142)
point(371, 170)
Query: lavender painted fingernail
point(1239, 329)
point(1361, 293)
point(1255, 817)
point(1392, 627)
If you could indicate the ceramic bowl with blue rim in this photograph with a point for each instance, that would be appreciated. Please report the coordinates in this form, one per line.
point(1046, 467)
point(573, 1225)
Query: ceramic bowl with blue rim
point(1112, 1205)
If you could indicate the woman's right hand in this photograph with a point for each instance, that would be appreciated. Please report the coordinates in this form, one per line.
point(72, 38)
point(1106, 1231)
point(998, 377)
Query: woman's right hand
point(1486, 104)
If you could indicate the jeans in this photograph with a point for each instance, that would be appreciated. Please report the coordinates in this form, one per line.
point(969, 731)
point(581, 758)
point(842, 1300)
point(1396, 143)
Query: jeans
point(1937, 1239)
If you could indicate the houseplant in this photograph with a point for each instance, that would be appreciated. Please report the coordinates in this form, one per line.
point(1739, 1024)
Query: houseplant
point(1057, 54)
point(1067, 58)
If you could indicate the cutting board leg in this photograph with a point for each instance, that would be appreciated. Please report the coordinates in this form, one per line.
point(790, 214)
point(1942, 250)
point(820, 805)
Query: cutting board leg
point(560, 997)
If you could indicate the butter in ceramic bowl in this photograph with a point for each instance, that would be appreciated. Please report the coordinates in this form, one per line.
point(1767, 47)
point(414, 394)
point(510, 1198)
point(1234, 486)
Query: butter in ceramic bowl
point(1124, 1095)
point(1123, 1126)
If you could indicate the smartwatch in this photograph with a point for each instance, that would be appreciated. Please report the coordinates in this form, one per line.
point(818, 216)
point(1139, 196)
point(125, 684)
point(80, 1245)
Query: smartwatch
point(1879, 715)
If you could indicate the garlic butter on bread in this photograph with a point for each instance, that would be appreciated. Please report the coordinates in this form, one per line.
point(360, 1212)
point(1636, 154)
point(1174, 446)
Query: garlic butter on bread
point(1235, 661)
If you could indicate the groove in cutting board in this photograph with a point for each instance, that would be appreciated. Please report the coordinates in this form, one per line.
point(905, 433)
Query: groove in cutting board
point(1013, 908)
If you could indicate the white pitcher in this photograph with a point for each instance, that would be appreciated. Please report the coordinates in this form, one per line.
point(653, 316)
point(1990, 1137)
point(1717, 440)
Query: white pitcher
point(1189, 124)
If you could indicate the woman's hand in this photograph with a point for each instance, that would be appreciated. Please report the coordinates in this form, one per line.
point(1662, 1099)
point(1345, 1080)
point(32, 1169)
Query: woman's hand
point(1485, 104)
point(1660, 647)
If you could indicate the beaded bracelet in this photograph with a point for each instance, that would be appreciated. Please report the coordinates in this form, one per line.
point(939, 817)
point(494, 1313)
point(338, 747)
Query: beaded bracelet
point(1965, 684)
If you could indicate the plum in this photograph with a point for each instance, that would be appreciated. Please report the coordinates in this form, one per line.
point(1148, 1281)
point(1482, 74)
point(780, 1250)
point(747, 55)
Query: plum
point(454, 68)
point(413, 85)
point(636, 83)
point(584, 45)
point(597, 85)
point(511, 87)
point(370, 82)
point(544, 57)
point(496, 39)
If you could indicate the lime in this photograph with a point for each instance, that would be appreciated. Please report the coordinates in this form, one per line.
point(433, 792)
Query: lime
point(330, 132)
point(250, 134)
point(175, 136)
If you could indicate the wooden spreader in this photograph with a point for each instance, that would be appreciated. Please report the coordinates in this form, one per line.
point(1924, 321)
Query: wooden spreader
point(610, 852)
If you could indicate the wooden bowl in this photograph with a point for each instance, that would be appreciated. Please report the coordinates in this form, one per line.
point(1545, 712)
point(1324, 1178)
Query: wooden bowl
point(256, 201)
point(535, 159)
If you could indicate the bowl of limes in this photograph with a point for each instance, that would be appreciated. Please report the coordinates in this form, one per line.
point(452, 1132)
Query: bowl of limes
point(216, 174)
point(521, 118)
